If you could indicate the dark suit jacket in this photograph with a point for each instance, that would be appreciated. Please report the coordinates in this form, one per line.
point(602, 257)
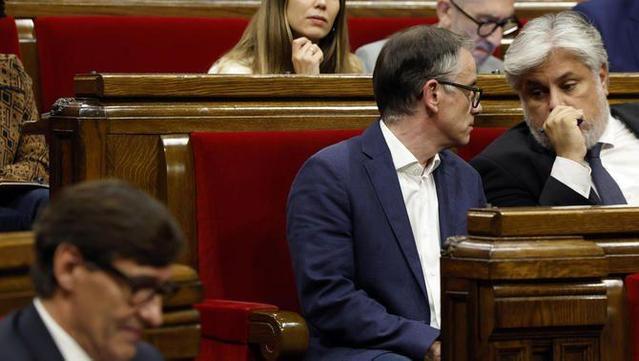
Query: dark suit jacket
point(618, 23)
point(356, 264)
point(515, 169)
point(23, 336)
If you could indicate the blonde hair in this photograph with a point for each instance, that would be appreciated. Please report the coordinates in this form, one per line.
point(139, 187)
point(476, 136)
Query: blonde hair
point(265, 46)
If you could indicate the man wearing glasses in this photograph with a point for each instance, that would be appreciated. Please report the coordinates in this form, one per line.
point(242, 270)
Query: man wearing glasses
point(485, 22)
point(103, 254)
point(367, 217)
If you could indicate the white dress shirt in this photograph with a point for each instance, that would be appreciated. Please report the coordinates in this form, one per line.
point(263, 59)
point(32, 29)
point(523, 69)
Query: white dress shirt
point(420, 198)
point(68, 347)
point(618, 155)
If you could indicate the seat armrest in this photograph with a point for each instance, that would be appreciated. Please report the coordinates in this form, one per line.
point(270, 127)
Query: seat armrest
point(277, 333)
point(280, 334)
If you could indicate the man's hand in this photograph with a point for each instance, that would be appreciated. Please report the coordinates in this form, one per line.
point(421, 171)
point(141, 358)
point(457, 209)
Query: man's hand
point(306, 57)
point(564, 134)
point(434, 352)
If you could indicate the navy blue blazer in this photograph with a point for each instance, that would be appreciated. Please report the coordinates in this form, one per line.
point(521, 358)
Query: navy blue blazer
point(516, 169)
point(357, 269)
point(618, 23)
point(23, 336)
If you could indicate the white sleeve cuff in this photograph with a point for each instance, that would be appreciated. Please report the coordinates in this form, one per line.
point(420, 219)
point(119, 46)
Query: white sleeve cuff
point(574, 175)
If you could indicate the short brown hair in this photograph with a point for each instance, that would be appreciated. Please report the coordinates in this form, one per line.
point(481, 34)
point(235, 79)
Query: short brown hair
point(105, 220)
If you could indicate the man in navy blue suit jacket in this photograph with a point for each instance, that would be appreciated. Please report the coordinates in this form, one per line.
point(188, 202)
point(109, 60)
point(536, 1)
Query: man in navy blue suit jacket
point(103, 256)
point(367, 216)
point(618, 23)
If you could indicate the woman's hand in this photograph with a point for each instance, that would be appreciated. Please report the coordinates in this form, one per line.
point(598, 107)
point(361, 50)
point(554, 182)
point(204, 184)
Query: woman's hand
point(306, 57)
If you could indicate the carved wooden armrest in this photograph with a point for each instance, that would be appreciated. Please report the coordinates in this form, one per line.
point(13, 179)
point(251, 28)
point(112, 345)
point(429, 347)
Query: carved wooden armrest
point(277, 334)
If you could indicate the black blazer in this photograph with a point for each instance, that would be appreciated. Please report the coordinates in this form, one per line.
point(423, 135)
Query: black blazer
point(23, 336)
point(515, 169)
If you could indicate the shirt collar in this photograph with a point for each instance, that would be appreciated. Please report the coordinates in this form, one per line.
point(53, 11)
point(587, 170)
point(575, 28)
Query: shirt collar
point(68, 347)
point(613, 128)
point(403, 159)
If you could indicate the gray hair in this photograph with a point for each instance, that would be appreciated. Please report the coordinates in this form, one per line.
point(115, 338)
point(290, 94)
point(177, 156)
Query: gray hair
point(407, 61)
point(566, 30)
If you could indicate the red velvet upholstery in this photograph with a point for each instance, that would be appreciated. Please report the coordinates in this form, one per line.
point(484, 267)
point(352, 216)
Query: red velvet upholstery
point(242, 183)
point(362, 31)
point(9, 43)
point(479, 139)
point(632, 291)
point(127, 44)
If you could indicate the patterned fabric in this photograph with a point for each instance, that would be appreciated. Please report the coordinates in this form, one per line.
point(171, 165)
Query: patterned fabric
point(22, 158)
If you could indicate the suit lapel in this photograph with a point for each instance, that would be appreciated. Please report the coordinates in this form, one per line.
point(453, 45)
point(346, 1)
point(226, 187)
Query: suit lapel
point(36, 336)
point(445, 199)
point(629, 114)
point(382, 174)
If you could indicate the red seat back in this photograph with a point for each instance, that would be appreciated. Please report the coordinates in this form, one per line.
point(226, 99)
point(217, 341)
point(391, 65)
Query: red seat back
point(362, 31)
point(9, 43)
point(242, 184)
point(123, 44)
point(479, 139)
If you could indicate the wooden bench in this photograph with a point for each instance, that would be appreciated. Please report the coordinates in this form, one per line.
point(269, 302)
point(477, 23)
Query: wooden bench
point(543, 284)
point(243, 8)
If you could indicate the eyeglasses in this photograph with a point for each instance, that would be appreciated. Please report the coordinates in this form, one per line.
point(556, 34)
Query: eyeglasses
point(476, 92)
point(486, 27)
point(142, 288)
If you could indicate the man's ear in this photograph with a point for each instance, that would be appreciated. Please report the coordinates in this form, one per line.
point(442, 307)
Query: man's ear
point(603, 77)
point(431, 95)
point(443, 14)
point(66, 259)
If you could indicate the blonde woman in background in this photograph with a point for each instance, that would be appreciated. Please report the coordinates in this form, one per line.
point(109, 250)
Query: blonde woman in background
point(293, 36)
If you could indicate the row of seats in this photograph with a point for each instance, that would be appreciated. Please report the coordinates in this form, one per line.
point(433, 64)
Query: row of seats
point(71, 45)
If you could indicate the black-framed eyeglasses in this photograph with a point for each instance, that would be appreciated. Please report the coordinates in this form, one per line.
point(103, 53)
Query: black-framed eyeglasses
point(475, 91)
point(142, 288)
point(485, 28)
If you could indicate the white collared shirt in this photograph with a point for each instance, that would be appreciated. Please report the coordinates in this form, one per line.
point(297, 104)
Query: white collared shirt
point(420, 198)
point(68, 347)
point(618, 155)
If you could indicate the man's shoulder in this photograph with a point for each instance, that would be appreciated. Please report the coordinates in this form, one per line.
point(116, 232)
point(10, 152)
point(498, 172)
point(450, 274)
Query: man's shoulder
point(514, 139)
point(490, 65)
point(374, 47)
point(11, 345)
point(147, 352)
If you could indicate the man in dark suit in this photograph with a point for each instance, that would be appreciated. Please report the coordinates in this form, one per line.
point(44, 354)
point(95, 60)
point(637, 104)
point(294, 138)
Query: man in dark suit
point(367, 216)
point(573, 149)
point(618, 23)
point(103, 255)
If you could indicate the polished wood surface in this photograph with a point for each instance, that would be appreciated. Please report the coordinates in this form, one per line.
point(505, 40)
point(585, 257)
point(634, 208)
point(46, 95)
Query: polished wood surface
point(540, 284)
point(242, 8)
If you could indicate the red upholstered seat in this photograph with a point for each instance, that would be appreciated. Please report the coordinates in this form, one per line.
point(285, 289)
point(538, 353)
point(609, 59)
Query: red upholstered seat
point(632, 291)
point(479, 139)
point(9, 43)
point(362, 31)
point(72, 45)
point(242, 184)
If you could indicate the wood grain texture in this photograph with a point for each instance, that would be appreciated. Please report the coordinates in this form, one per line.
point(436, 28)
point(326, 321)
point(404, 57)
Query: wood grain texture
point(242, 8)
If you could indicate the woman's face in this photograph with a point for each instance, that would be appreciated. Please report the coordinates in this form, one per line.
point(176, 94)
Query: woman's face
point(311, 18)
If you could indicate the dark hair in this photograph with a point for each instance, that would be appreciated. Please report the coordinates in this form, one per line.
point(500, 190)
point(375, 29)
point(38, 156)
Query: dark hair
point(2, 13)
point(105, 220)
point(407, 61)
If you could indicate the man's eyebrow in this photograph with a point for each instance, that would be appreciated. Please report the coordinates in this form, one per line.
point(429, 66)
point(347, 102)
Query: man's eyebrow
point(568, 74)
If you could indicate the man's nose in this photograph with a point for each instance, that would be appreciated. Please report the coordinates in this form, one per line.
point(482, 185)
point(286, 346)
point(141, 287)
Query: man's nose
point(555, 98)
point(151, 312)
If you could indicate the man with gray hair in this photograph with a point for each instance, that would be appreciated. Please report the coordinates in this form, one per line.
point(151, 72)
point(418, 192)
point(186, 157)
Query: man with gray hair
point(367, 217)
point(573, 148)
point(484, 22)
